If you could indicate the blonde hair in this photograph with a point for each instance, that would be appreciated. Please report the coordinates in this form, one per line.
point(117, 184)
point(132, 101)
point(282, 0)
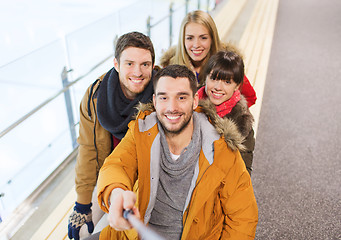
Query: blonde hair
point(181, 56)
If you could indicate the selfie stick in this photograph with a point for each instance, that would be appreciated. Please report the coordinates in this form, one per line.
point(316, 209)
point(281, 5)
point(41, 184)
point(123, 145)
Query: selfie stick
point(145, 232)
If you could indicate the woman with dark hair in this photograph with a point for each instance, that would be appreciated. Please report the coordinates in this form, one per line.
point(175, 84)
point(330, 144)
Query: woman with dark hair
point(224, 74)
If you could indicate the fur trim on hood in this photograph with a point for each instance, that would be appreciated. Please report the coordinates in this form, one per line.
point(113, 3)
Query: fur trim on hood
point(231, 48)
point(224, 126)
point(235, 126)
point(143, 107)
point(167, 57)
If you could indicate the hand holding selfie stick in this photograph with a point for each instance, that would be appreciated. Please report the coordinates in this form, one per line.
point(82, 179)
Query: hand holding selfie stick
point(145, 232)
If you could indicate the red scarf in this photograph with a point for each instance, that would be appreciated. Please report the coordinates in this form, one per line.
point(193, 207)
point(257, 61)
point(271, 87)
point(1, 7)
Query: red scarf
point(225, 107)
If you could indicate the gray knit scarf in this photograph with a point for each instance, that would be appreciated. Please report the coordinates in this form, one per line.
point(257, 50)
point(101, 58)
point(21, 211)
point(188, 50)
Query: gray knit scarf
point(174, 183)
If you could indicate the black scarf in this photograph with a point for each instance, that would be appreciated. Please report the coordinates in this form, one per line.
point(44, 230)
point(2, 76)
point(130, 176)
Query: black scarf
point(114, 110)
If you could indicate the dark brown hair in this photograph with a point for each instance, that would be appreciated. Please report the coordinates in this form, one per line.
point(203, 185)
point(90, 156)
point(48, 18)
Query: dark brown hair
point(177, 71)
point(225, 65)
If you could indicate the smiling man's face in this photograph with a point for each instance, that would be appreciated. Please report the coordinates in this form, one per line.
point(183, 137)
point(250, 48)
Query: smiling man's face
point(174, 104)
point(135, 70)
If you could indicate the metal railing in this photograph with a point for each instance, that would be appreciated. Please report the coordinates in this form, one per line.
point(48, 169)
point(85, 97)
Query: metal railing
point(68, 83)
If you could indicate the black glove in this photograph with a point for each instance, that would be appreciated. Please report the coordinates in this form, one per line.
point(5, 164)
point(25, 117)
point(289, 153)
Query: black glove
point(81, 215)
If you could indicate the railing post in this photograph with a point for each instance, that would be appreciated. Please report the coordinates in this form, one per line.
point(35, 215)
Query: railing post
point(2, 205)
point(68, 104)
point(114, 42)
point(186, 8)
point(170, 24)
point(148, 26)
point(199, 4)
point(208, 6)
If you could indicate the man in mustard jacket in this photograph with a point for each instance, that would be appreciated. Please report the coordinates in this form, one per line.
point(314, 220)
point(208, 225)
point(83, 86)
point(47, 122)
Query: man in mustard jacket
point(192, 184)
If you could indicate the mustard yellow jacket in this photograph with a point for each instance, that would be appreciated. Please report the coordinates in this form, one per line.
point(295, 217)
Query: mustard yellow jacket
point(222, 203)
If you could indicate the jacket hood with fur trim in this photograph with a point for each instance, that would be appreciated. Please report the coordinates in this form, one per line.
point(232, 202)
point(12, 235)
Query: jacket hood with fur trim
point(235, 126)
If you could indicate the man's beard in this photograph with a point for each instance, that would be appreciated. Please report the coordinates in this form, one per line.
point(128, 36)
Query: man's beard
point(172, 133)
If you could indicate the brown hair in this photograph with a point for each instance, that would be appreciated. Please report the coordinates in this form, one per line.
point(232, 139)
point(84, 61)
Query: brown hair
point(177, 71)
point(134, 39)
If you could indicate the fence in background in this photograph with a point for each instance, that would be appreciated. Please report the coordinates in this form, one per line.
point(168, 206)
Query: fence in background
point(42, 91)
